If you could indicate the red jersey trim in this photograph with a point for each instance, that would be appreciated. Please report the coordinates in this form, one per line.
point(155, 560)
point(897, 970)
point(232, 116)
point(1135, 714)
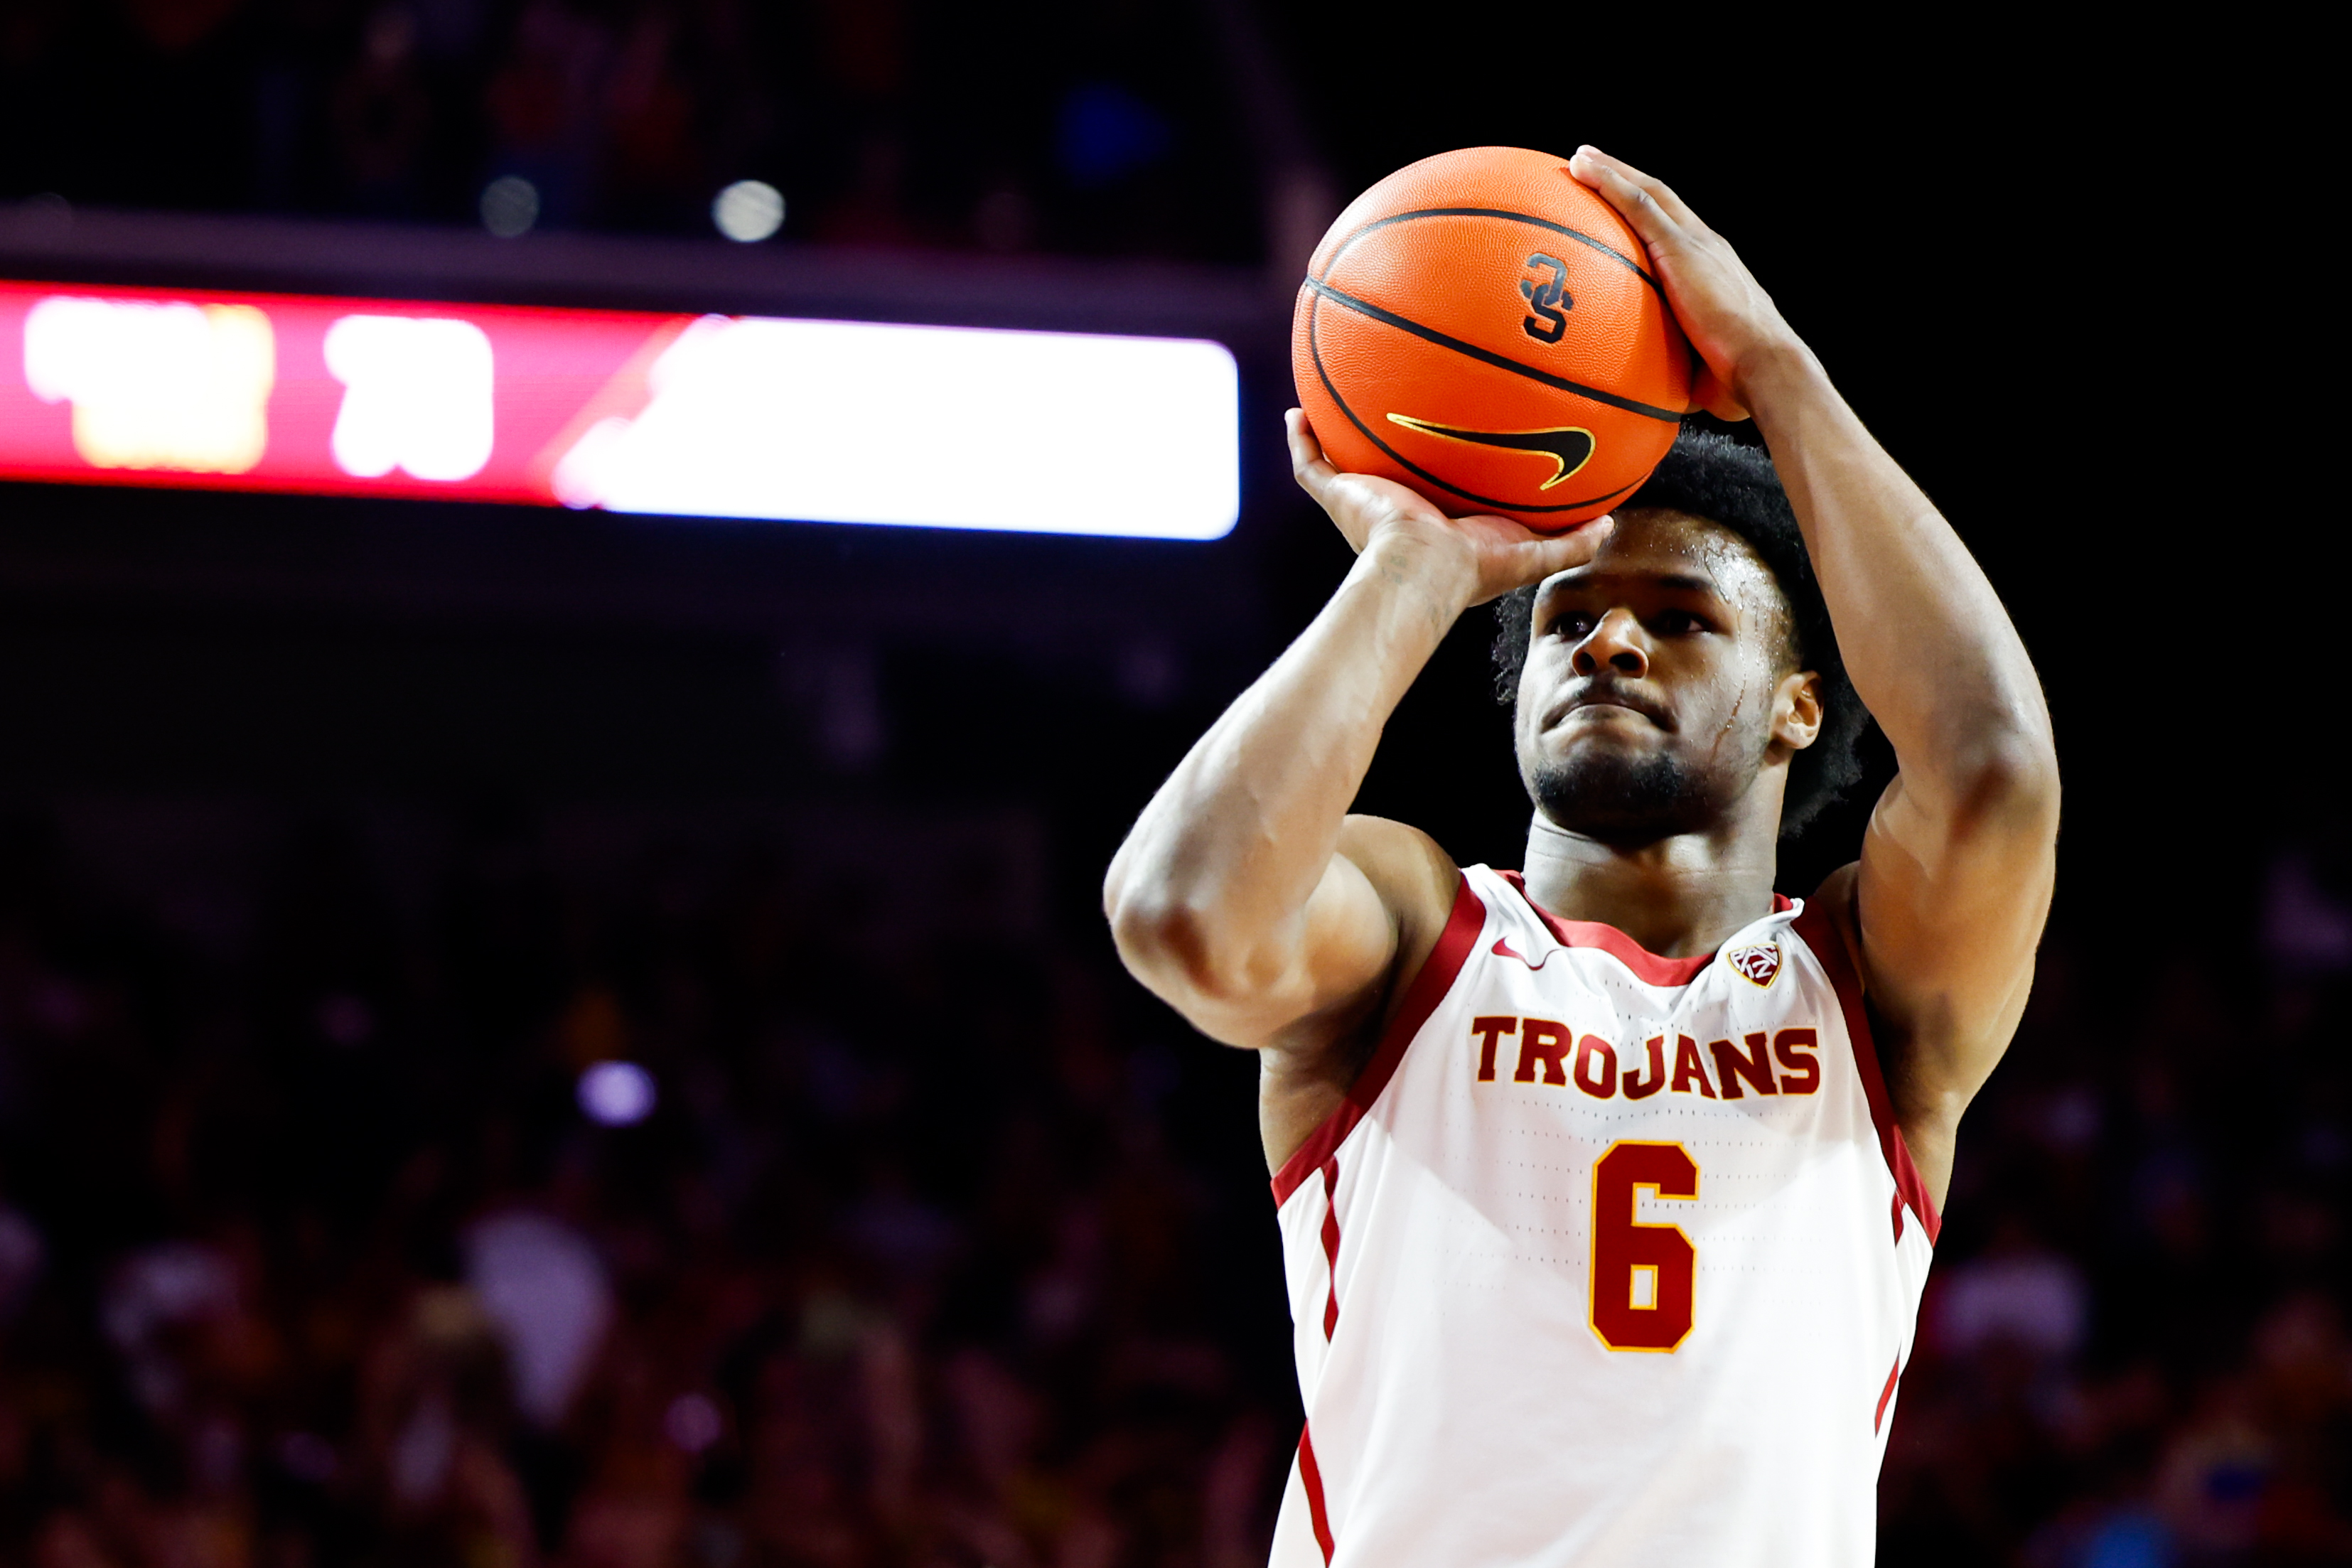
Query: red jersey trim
point(1331, 1245)
point(1829, 947)
point(1421, 999)
point(1310, 1481)
point(1647, 966)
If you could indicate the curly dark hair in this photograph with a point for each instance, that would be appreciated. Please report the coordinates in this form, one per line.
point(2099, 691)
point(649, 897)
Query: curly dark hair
point(1708, 474)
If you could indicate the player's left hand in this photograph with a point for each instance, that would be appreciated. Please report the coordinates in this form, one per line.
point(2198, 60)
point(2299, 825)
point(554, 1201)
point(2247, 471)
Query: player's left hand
point(1724, 311)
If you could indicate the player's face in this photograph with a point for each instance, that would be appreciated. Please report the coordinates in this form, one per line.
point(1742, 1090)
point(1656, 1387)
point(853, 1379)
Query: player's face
point(1648, 703)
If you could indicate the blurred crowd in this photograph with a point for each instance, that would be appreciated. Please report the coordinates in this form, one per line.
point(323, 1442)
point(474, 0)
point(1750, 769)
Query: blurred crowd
point(1094, 129)
point(713, 1206)
point(2134, 1349)
point(716, 1211)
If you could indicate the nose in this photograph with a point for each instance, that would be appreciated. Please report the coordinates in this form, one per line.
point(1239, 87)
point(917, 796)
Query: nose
point(1618, 643)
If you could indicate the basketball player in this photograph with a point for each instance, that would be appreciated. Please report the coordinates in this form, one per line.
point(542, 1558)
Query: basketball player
point(1607, 1189)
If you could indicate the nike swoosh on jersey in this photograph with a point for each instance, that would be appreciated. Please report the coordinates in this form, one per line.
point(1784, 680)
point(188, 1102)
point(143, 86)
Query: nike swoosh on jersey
point(1503, 949)
point(1568, 447)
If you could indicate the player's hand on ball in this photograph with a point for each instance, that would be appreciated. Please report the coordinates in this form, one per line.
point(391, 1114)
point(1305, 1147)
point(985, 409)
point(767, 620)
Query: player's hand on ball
point(1477, 558)
point(1724, 311)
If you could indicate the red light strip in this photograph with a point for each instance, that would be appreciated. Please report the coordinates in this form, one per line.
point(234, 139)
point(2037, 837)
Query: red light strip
point(209, 391)
point(717, 416)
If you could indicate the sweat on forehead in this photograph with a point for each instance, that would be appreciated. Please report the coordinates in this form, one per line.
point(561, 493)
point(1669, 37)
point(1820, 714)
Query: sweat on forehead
point(1658, 542)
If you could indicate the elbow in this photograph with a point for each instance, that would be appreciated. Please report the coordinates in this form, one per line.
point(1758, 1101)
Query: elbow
point(1174, 948)
point(2008, 779)
point(1159, 938)
point(1127, 904)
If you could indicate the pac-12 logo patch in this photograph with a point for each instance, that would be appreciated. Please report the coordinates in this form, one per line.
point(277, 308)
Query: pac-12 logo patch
point(1759, 962)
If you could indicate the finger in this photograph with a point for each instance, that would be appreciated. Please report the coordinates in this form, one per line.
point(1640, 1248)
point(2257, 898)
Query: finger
point(1635, 205)
point(1709, 392)
point(1544, 555)
point(1307, 465)
point(1649, 186)
point(1534, 558)
point(1560, 551)
point(1593, 530)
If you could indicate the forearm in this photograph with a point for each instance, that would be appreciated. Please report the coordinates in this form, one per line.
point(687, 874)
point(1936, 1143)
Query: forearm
point(1217, 873)
point(1924, 637)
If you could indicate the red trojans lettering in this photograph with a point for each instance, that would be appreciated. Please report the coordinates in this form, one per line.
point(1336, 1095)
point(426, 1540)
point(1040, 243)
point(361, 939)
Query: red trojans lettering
point(1551, 1053)
point(1640, 1088)
point(1690, 1071)
point(1486, 1029)
point(1596, 1067)
point(1799, 1074)
point(1732, 1064)
point(1541, 1040)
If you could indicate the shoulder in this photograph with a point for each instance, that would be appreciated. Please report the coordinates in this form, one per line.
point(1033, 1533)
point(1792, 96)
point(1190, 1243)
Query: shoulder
point(1834, 902)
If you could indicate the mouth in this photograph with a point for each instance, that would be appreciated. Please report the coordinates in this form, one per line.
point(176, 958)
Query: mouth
point(1603, 701)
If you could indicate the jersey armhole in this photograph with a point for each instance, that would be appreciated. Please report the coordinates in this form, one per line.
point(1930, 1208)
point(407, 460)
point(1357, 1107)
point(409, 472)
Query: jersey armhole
point(1429, 987)
point(1828, 945)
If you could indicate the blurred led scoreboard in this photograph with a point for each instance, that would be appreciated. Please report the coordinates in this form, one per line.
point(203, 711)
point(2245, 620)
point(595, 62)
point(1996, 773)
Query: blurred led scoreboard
point(754, 417)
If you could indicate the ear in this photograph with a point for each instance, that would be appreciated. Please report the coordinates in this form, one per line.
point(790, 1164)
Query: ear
point(1797, 710)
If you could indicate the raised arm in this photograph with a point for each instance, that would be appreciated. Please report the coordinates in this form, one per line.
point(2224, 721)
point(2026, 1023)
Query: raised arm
point(1946, 904)
point(1245, 895)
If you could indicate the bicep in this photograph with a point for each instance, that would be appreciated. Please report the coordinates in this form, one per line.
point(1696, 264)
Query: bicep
point(1949, 908)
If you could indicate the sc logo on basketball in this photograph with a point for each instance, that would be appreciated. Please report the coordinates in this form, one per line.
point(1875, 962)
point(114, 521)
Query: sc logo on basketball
point(1547, 303)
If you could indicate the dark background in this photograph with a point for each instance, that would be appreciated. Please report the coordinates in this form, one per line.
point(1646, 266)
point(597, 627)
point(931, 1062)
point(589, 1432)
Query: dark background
point(340, 837)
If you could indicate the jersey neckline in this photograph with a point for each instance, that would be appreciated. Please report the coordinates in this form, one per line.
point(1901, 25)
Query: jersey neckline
point(1654, 969)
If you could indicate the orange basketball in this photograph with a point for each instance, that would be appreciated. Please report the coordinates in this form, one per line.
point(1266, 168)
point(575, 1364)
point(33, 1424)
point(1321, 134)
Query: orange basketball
point(1483, 328)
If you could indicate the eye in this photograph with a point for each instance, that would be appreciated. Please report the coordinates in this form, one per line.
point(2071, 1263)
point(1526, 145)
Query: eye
point(1573, 624)
point(1678, 623)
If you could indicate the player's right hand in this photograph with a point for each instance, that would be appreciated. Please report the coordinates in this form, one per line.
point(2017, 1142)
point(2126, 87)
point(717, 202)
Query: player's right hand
point(1470, 560)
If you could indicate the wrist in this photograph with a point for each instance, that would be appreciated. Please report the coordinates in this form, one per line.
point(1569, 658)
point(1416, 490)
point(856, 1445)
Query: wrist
point(1773, 370)
point(1436, 564)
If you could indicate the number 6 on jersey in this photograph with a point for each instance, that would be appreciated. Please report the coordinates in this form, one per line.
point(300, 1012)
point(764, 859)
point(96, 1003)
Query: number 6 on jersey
point(1642, 1274)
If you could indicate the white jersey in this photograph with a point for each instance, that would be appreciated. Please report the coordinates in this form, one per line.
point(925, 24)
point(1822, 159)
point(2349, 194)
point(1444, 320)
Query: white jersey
point(1607, 1258)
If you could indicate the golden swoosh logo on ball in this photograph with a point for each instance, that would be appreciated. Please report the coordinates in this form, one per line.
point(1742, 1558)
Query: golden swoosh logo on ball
point(1569, 447)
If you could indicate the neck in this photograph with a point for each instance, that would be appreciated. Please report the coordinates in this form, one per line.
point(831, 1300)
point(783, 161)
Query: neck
point(1679, 897)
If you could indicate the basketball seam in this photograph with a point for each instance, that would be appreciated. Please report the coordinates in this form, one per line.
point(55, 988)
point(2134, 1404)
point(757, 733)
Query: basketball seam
point(1315, 352)
point(1488, 356)
point(1559, 228)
